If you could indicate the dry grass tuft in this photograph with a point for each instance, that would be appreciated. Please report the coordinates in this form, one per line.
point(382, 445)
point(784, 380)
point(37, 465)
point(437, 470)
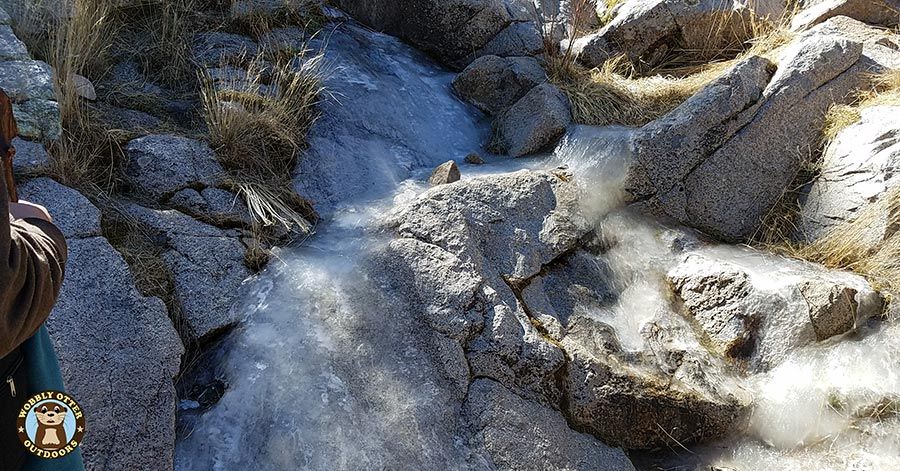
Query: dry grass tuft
point(258, 125)
point(606, 95)
point(855, 247)
point(619, 93)
point(255, 22)
point(885, 90)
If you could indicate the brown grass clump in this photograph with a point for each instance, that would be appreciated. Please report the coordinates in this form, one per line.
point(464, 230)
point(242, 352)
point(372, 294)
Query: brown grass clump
point(256, 22)
point(258, 124)
point(619, 93)
point(885, 90)
point(606, 95)
point(853, 246)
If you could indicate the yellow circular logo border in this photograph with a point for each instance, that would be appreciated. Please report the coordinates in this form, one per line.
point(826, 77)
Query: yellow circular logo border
point(58, 396)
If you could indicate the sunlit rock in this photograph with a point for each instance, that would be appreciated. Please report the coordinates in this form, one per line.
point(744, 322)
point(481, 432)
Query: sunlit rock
point(760, 308)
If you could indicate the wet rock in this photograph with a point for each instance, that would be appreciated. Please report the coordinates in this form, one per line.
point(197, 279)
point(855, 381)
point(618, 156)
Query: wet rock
point(448, 30)
point(473, 159)
point(161, 165)
point(638, 407)
point(215, 48)
point(408, 118)
point(101, 327)
point(498, 416)
point(859, 169)
point(536, 121)
point(873, 12)
point(31, 157)
point(760, 308)
point(494, 83)
point(727, 177)
point(446, 172)
point(510, 224)
point(207, 266)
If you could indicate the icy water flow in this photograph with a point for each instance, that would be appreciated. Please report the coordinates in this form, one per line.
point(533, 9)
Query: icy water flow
point(328, 371)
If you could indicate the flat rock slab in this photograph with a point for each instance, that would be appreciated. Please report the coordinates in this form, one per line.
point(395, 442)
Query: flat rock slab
point(207, 266)
point(118, 350)
point(161, 165)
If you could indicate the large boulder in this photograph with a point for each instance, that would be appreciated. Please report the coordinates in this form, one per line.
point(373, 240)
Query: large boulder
point(859, 169)
point(453, 31)
point(726, 178)
point(498, 417)
point(102, 328)
point(535, 122)
point(874, 12)
point(206, 264)
point(494, 83)
point(646, 30)
point(759, 308)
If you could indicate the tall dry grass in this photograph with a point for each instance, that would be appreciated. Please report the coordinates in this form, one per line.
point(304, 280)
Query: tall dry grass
point(618, 92)
point(258, 125)
point(857, 246)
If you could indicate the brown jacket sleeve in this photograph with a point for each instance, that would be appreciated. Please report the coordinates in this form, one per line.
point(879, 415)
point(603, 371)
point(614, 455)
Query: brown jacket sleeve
point(32, 260)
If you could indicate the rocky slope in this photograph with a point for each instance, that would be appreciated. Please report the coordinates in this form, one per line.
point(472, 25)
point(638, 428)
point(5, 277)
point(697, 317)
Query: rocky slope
point(581, 309)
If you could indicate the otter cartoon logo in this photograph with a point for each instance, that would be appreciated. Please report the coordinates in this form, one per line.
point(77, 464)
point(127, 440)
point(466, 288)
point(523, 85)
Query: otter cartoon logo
point(51, 424)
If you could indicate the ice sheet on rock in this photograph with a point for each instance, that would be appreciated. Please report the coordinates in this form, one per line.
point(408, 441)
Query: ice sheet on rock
point(391, 111)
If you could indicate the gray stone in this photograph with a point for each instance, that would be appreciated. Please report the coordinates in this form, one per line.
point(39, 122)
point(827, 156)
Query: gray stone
point(75, 216)
point(214, 205)
point(510, 224)
point(102, 328)
point(536, 121)
point(874, 12)
point(215, 48)
point(646, 30)
point(10, 46)
point(26, 80)
point(161, 165)
point(860, 168)
point(4, 17)
point(520, 38)
point(662, 160)
point(207, 266)
point(449, 30)
point(726, 178)
point(129, 120)
point(494, 83)
point(473, 159)
point(499, 417)
point(38, 119)
point(446, 172)
point(759, 308)
point(31, 157)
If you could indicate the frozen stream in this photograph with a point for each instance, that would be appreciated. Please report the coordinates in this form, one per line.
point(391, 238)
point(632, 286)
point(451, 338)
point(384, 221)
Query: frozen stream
point(328, 371)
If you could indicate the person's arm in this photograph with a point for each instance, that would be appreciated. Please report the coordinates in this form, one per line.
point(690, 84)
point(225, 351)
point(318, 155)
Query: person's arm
point(32, 261)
